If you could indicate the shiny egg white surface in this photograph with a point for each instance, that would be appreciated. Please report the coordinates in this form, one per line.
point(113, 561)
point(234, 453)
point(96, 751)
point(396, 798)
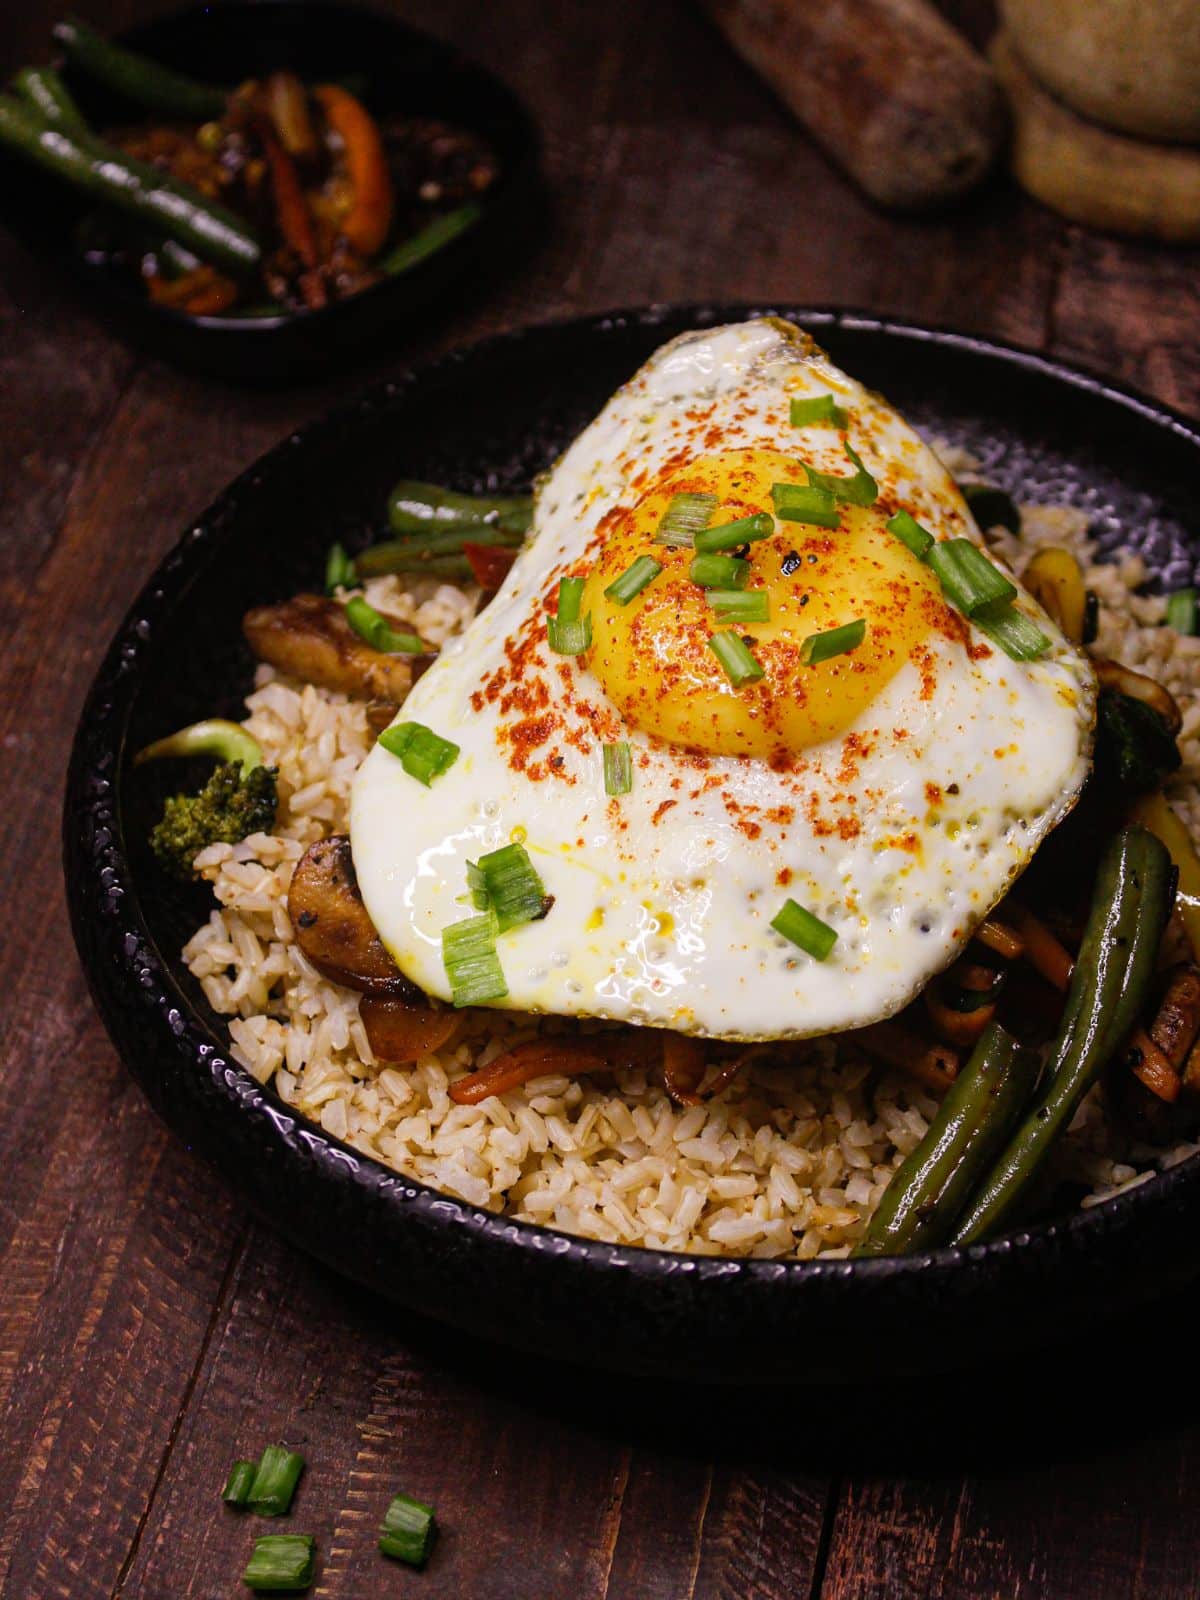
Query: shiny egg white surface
point(895, 791)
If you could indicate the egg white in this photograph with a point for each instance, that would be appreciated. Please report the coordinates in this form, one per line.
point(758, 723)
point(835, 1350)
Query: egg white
point(663, 897)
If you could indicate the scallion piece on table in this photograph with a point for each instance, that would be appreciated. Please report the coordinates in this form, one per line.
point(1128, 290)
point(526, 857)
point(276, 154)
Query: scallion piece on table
point(820, 408)
point(735, 655)
point(632, 581)
point(719, 572)
point(1181, 611)
point(729, 535)
point(969, 580)
point(860, 489)
point(569, 638)
point(370, 625)
point(472, 965)
point(275, 1479)
point(339, 570)
point(409, 1529)
point(281, 1563)
point(618, 768)
point(507, 881)
point(910, 532)
point(1016, 634)
point(820, 647)
point(815, 938)
point(684, 517)
point(240, 1481)
point(799, 502)
point(423, 754)
point(739, 605)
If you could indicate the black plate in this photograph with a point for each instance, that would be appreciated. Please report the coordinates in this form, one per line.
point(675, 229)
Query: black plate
point(492, 416)
point(401, 69)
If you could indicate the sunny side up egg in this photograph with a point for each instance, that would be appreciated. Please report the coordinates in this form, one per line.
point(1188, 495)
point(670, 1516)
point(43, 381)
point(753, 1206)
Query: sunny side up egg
point(893, 790)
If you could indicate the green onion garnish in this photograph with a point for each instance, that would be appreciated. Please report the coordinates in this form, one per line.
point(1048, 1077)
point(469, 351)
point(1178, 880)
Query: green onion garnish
point(719, 572)
point(618, 768)
point(734, 654)
point(275, 1479)
point(507, 881)
point(991, 507)
point(375, 629)
point(739, 605)
point(820, 647)
point(339, 570)
point(408, 1531)
point(1181, 611)
point(910, 532)
point(815, 938)
point(631, 582)
point(684, 517)
point(821, 408)
point(859, 490)
point(1016, 634)
point(798, 502)
point(570, 596)
point(238, 1484)
point(423, 754)
point(969, 580)
point(728, 535)
point(281, 1562)
point(472, 965)
point(569, 638)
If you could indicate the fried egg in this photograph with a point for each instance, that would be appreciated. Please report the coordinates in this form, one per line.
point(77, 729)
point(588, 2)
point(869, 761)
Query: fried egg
point(894, 791)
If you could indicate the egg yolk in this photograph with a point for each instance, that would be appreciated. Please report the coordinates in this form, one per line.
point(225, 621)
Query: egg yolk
point(652, 656)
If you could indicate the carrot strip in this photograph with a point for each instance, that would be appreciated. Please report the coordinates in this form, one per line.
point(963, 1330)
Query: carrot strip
point(1042, 950)
point(1152, 1068)
point(934, 1065)
point(996, 936)
point(683, 1068)
point(369, 219)
point(591, 1053)
point(956, 1027)
point(291, 212)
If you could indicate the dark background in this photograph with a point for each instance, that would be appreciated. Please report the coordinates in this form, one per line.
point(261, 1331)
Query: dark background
point(150, 1332)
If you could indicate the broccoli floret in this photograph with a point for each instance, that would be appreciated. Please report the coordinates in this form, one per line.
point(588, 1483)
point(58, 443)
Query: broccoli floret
point(231, 805)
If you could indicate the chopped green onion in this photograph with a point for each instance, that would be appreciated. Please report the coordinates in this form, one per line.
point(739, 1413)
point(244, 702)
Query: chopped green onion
point(507, 881)
point(859, 490)
point(821, 408)
point(1181, 611)
point(719, 572)
point(408, 1531)
point(969, 580)
point(472, 965)
point(281, 1562)
point(570, 596)
point(569, 638)
point(275, 1479)
point(618, 768)
point(739, 605)
point(728, 535)
point(684, 517)
point(734, 654)
point(339, 570)
point(374, 628)
point(797, 502)
point(991, 507)
point(815, 938)
point(423, 754)
point(1016, 634)
point(910, 532)
point(820, 647)
point(631, 582)
point(238, 1484)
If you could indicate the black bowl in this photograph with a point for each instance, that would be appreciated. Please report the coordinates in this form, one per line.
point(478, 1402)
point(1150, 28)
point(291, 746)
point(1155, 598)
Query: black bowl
point(400, 69)
point(492, 416)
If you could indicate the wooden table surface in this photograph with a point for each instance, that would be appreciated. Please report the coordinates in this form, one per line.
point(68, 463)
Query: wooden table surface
point(150, 1331)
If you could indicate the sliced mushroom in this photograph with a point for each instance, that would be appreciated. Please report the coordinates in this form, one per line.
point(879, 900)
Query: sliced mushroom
point(308, 637)
point(400, 1030)
point(380, 715)
point(333, 928)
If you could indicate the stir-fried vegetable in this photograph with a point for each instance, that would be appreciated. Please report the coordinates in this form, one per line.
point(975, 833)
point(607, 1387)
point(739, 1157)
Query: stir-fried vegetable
point(239, 798)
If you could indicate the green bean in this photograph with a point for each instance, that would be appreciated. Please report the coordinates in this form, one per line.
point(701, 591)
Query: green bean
point(415, 507)
point(438, 553)
point(147, 82)
point(47, 93)
point(432, 237)
point(132, 186)
point(935, 1182)
point(1130, 905)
